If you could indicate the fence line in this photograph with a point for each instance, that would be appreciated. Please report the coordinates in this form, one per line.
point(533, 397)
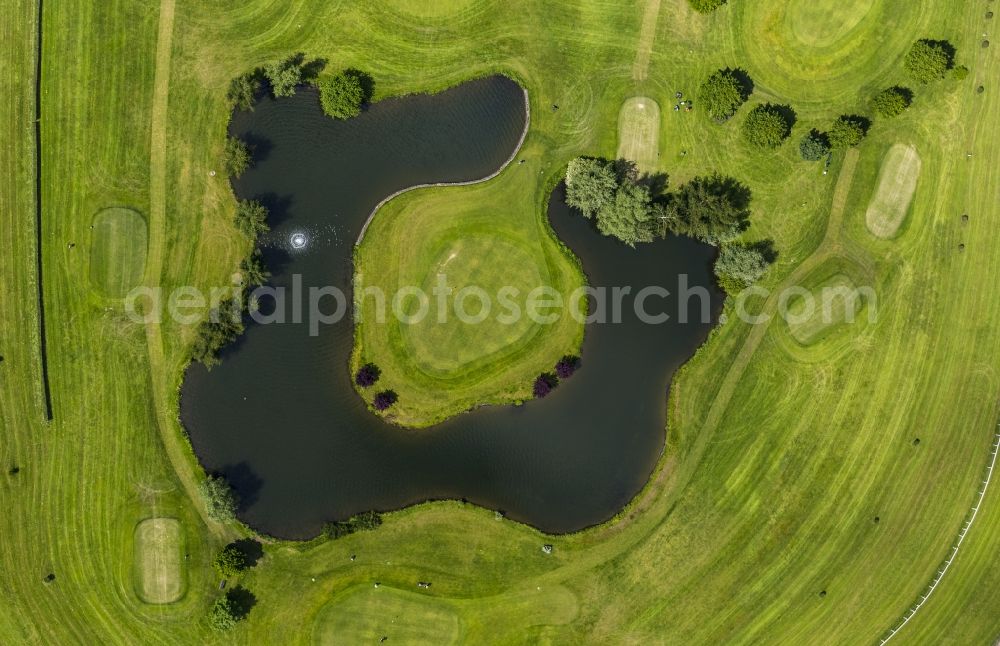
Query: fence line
point(517, 149)
point(956, 546)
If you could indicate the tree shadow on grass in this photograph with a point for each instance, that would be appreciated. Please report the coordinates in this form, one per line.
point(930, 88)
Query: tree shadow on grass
point(243, 601)
point(743, 78)
point(251, 550)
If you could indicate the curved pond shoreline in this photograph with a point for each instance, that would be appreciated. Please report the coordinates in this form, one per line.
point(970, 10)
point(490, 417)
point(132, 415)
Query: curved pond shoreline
point(517, 149)
point(295, 440)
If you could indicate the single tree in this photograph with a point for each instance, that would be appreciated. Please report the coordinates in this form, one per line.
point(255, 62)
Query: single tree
point(367, 375)
point(960, 73)
point(739, 266)
point(284, 75)
point(814, 146)
point(847, 131)
point(630, 216)
point(236, 157)
point(713, 209)
point(251, 218)
point(766, 126)
point(566, 366)
point(252, 270)
point(722, 94)
point(219, 498)
point(544, 384)
point(706, 6)
point(223, 325)
point(590, 184)
point(341, 95)
point(384, 400)
point(929, 60)
point(230, 561)
point(892, 101)
point(223, 616)
point(243, 91)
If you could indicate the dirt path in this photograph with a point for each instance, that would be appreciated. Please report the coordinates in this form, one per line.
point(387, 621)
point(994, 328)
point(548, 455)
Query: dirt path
point(640, 68)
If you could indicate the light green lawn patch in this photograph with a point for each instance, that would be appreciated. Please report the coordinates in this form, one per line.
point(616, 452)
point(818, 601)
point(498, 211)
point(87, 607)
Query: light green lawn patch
point(363, 615)
point(159, 566)
point(833, 302)
point(819, 23)
point(639, 132)
point(897, 181)
point(117, 250)
point(487, 237)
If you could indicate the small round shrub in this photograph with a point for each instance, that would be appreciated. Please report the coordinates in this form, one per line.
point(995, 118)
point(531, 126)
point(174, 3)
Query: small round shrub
point(814, 146)
point(544, 384)
point(766, 126)
point(706, 6)
point(892, 101)
point(384, 400)
point(566, 366)
point(367, 375)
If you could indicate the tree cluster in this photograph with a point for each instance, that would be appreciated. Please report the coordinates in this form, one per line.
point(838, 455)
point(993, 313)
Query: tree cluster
point(713, 209)
point(892, 101)
point(723, 92)
point(219, 498)
point(610, 192)
point(365, 521)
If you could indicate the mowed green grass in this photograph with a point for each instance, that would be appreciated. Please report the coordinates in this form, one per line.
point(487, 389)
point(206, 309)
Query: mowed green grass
point(639, 132)
point(117, 250)
point(485, 249)
point(366, 615)
point(159, 565)
point(818, 23)
point(833, 302)
point(896, 184)
point(779, 456)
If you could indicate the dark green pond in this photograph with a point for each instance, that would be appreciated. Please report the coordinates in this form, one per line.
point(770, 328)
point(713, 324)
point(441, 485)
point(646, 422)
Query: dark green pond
point(280, 417)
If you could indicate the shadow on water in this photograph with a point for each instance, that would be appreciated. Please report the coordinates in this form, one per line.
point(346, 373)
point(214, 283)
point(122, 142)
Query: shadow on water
point(282, 409)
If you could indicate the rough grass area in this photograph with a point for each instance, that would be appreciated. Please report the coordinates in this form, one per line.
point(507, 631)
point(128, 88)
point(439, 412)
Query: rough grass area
point(639, 132)
point(117, 250)
point(897, 183)
point(159, 565)
point(829, 304)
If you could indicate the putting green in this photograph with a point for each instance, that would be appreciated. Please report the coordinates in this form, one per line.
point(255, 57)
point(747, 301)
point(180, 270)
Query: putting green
point(832, 303)
point(117, 250)
point(476, 332)
point(897, 181)
point(820, 23)
point(159, 567)
point(639, 132)
point(363, 615)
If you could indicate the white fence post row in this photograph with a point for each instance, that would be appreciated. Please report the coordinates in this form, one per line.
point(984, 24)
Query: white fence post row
point(995, 446)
